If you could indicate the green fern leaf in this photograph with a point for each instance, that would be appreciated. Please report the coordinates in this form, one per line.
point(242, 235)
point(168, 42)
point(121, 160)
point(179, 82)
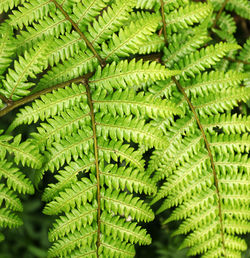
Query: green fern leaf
point(6, 47)
point(125, 230)
point(5, 5)
point(50, 105)
point(204, 58)
point(110, 21)
point(15, 85)
point(24, 153)
point(74, 67)
point(244, 54)
point(123, 44)
point(30, 12)
point(67, 177)
point(187, 16)
point(241, 7)
point(10, 199)
point(130, 74)
point(127, 102)
point(8, 219)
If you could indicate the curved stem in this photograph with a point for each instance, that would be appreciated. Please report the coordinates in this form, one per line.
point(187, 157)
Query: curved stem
point(164, 23)
point(77, 29)
point(237, 60)
point(219, 13)
point(36, 95)
point(206, 143)
point(5, 100)
point(92, 114)
point(209, 154)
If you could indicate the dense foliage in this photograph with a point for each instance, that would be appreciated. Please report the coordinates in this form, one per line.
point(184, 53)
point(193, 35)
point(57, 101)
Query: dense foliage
point(125, 119)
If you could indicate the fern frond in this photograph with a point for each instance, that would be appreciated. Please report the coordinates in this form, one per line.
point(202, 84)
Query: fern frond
point(10, 199)
point(60, 126)
point(124, 230)
point(230, 143)
point(118, 151)
point(34, 61)
point(108, 247)
point(73, 68)
point(227, 23)
point(6, 47)
point(135, 34)
point(244, 53)
point(53, 25)
point(205, 58)
point(12, 179)
point(219, 102)
point(126, 205)
point(131, 74)
point(126, 178)
point(73, 197)
point(74, 146)
point(15, 179)
point(73, 221)
point(211, 82)
point(225, 36)
point(145, 4)
point(182, 153)
point(68, 176)
point(111, 247)
point(242, 8)
point(129, 129)
point(127, 102)
point(181, 179)
point(50, 105)
point(175, 51)
point(154, 43)
point(85, 12)
point(110, 21)
point(117, 127)
point(9, 219)
point(30, 12)
point(65, 47)
point(174, 4)
point(232, 163)
point(190, 184)
point(64, 246)
point(187, 16)
point(5, 5)
point(229, 124)
point(24, 153)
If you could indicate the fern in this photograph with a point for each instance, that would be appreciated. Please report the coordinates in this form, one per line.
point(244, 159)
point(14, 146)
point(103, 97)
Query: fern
point(13, 181)
point(241, 7)
point(119, 131)
point(204, 168)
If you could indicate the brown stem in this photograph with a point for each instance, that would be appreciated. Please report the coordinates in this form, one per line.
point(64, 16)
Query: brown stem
point(77, 29)
point(164, 22)
point(205, 140)
point(92, 114)
point(209, 154)
point(219, 13)
point(5, 100)
point(237, 61)
point(36, 95)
